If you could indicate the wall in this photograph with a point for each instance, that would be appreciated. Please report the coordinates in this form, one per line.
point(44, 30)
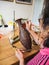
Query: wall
point(21, 10)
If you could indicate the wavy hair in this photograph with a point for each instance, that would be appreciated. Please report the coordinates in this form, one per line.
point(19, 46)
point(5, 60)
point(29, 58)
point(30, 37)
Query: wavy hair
point(46, 14)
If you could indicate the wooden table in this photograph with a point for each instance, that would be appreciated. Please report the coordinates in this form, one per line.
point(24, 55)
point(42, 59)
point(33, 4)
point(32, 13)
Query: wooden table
point(7, 52)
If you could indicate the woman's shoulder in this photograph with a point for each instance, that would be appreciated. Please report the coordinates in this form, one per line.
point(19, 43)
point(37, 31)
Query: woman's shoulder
point(45, 51)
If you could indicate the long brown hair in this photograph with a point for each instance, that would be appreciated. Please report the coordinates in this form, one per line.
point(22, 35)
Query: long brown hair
point(46, 13)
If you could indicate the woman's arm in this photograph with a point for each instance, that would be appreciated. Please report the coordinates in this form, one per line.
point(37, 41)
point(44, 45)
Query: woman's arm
point(21, 62)
point(19, 55)
point(36, 37)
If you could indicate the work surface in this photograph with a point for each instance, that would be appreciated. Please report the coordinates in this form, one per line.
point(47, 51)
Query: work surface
point(7, 52)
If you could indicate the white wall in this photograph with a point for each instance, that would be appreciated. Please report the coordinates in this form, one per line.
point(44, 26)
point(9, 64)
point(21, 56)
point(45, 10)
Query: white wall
point(21, 10)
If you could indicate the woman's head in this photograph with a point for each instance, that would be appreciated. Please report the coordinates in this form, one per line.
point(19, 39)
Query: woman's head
point(44, 22)
point(45, 13)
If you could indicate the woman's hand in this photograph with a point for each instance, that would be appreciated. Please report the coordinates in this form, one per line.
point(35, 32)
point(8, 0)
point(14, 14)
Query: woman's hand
point(19, 55)
point(29, 25)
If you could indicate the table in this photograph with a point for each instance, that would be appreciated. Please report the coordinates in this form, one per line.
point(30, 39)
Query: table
point(7, 52)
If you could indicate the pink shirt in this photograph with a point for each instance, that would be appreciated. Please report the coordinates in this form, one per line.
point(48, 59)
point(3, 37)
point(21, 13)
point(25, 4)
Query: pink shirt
point(45, 51)
point(42, 58)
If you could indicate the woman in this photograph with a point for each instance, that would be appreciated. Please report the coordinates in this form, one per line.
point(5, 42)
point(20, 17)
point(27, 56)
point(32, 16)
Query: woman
point(42, 58)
